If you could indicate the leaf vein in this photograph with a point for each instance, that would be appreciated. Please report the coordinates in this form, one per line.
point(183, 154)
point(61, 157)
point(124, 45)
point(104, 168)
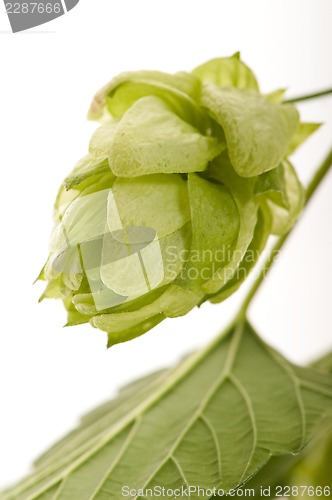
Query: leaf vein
point(212, 430)
point(220, 380)
point(297, 387)
point(120, 454)
point(244, 393)
point(180, 469)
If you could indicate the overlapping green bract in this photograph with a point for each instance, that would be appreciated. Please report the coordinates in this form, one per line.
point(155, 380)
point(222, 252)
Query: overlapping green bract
point(185, 179)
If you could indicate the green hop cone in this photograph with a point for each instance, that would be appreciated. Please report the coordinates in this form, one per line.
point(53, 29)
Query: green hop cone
point(184, 181)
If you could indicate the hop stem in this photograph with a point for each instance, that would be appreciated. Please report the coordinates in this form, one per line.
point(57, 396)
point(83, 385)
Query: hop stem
point(309, 96)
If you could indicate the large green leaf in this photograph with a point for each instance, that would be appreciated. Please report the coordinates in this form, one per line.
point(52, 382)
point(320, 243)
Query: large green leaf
point(257, 131)
point(314, 468)
point(212, 421)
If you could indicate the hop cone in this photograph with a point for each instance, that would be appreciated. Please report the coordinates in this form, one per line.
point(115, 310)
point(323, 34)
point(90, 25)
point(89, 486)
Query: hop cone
point(184, 181)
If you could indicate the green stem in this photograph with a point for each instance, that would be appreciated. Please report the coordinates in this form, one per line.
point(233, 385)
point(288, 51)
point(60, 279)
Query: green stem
point(311, 189)
point(318, 176)
point(309, 96)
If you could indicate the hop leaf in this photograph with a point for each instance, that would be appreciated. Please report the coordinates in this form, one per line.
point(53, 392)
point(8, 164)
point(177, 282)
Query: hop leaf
point(184, 181)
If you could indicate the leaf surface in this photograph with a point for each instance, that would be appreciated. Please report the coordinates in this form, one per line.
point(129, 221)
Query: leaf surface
point(213, 420)
point(308, 470)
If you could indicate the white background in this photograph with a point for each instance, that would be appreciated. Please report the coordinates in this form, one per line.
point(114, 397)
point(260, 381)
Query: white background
point(50, 375)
